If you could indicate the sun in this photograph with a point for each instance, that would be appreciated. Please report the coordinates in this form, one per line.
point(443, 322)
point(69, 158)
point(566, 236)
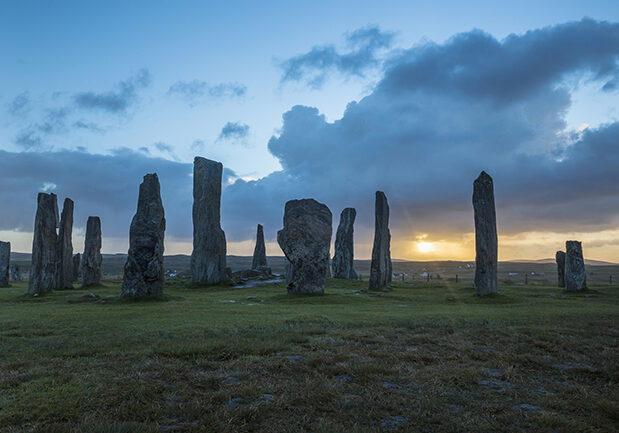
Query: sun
point(425, 247)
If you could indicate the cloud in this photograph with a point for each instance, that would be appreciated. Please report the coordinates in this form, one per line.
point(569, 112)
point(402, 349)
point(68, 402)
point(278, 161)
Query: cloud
point(196, 91)
point(441, 114)
point(197, 145)
point(234, 130)
point(317, 64)
point(103, 185)
point(421, 142)
point(28, 139)
point(117, 101)
point(20, 105)
point(162, 147)
point(89, 126)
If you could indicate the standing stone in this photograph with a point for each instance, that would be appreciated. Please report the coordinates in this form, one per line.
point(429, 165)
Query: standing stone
point(76, 266)
point(260, 253)
point(5, 260)
point(560, 258)
point(380, 268)
point(305, 240)
point(15, 275)
point(343, 260)
point(64, 270)
point(44, 248)
point(91, 259)
point(575, 274)
point(486, 241)
point(208, 259)
point(144, 273)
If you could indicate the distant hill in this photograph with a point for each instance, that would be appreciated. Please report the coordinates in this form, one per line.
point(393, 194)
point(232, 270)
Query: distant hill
point(548, 261)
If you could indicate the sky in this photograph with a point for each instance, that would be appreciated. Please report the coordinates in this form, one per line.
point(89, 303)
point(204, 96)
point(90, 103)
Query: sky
point(328, 100)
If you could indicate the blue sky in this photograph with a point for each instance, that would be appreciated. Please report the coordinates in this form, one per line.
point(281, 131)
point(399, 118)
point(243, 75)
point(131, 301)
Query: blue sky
point(164, 82)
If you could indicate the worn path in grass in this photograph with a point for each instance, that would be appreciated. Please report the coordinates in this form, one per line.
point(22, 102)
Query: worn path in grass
point(415, 358)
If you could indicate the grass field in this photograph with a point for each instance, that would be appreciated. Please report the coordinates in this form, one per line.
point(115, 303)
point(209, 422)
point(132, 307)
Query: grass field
point(427, 357)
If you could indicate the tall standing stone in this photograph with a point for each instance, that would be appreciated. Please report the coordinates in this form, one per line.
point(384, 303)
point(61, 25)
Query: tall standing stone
point(560, 259)
point(380, 267)
point(64, 271)
point(15, 274)
point(5, 261)
point(486, 241)
point(575, 274)
point(77, 258)
point(343, 260)
point(260, 252)
point(44, 245)
point(305, 240)
point(144, 273)
point(91, 259)
point(208, 259)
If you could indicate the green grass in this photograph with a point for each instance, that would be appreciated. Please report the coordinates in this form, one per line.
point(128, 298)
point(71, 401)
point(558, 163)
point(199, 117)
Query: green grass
point(190, 360)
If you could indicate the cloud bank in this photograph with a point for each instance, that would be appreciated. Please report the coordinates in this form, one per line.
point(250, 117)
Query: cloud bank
point(197, 91)
point(440, 115)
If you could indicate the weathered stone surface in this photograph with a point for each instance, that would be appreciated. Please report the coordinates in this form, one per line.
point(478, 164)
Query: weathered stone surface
point(575, 273)
point(5, 260)
point(15, 274)
point(305, 240)
point(208, 259)
point(144, 273)
point(343, 259)
point(44, 245)
point(64, 270)
point(77, 259)
point(260, 252)
point(91, 259)
point(486, 241)
point(560, 259)
point(380, 267)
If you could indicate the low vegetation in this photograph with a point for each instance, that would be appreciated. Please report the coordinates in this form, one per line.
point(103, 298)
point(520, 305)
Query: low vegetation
point(428, 357)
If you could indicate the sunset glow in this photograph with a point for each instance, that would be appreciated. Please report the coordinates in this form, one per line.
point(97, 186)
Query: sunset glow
point(425, 247)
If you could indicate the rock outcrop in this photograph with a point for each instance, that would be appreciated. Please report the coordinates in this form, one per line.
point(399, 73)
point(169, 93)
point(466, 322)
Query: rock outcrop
point(64, 270)
point(305, 240)
point(208, 259)
point(380, 267)
point(560, 259)
point(486, 241)
point(575, 273)
point(5, 263)
point(144, 273)
point(343, 259)
point(44, 246)
point(260, 252)
point(91, 259)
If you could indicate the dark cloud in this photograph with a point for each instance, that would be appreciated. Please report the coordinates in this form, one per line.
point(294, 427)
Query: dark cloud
point(117, 101)
point(162, 147)
point(28, 139)
point(196, 91)
point(443, 113)
point(316, 65)
point(20, 105)
point(234, 130)
point(104, 185)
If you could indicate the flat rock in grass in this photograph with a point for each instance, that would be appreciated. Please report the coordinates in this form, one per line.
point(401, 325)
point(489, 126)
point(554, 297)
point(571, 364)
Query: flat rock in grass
point(575, 365)
point(343, 377)
point(266, 397)
point(237, 402)
point(495, 385)
point(492, 371)
point(525, 407)
point(392, 422)
point(296, 358)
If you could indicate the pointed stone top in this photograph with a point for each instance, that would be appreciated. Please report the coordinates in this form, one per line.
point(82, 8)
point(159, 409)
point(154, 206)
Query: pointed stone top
point(259, 227)
point(484, 177)
point(150, 177)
